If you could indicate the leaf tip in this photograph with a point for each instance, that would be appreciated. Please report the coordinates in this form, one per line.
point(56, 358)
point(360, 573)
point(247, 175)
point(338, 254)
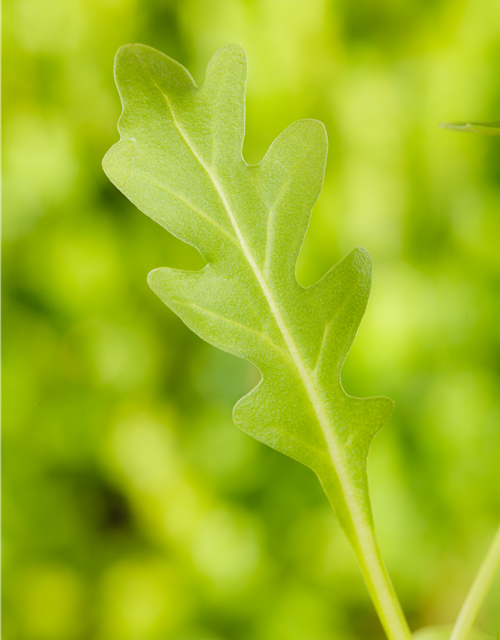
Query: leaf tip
point(126, 51)
point(153, 278)
point(363, 251)
point(232, 50)
point(387, 406)
point(455, 126)
point(363, 258)
point(117, 163)
point(314, 125)
point(483, 128)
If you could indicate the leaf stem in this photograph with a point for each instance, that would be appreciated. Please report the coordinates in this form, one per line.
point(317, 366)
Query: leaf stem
point(381, 590)
point(362, 538)
point(478, 591)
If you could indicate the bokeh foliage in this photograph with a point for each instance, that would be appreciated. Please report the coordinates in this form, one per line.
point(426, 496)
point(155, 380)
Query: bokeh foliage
point(133, 508)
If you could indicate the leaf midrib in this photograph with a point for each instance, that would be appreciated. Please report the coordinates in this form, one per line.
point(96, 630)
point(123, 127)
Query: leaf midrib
point(189, 204)
point(355, 510)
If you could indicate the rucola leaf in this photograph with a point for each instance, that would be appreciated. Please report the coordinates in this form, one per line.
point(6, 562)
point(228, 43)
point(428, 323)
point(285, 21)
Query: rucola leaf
point(179, 160)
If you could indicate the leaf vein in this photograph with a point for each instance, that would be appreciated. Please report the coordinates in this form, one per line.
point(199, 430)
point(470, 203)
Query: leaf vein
point(270, 220)
point(236, 324)
point(191, 206)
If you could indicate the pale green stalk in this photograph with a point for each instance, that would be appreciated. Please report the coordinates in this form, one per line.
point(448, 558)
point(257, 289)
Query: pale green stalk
point(361, 534)
point(478, 591)
point(382, 593)
point(484, 128)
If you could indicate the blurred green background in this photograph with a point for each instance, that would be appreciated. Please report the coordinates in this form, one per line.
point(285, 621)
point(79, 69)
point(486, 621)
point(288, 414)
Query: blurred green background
point(133, 508)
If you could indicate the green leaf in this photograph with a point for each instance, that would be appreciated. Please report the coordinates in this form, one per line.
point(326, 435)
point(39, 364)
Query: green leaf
point(180, 161)
point(485, 128)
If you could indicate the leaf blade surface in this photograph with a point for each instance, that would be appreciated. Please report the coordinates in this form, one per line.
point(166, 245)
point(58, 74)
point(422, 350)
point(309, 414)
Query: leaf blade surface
point(180, 161)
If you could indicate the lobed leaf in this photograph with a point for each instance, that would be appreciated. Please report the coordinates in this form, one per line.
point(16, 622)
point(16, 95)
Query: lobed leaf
point(179, 160)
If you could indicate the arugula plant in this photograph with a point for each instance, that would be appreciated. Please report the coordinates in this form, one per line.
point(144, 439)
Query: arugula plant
point(179, 160)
